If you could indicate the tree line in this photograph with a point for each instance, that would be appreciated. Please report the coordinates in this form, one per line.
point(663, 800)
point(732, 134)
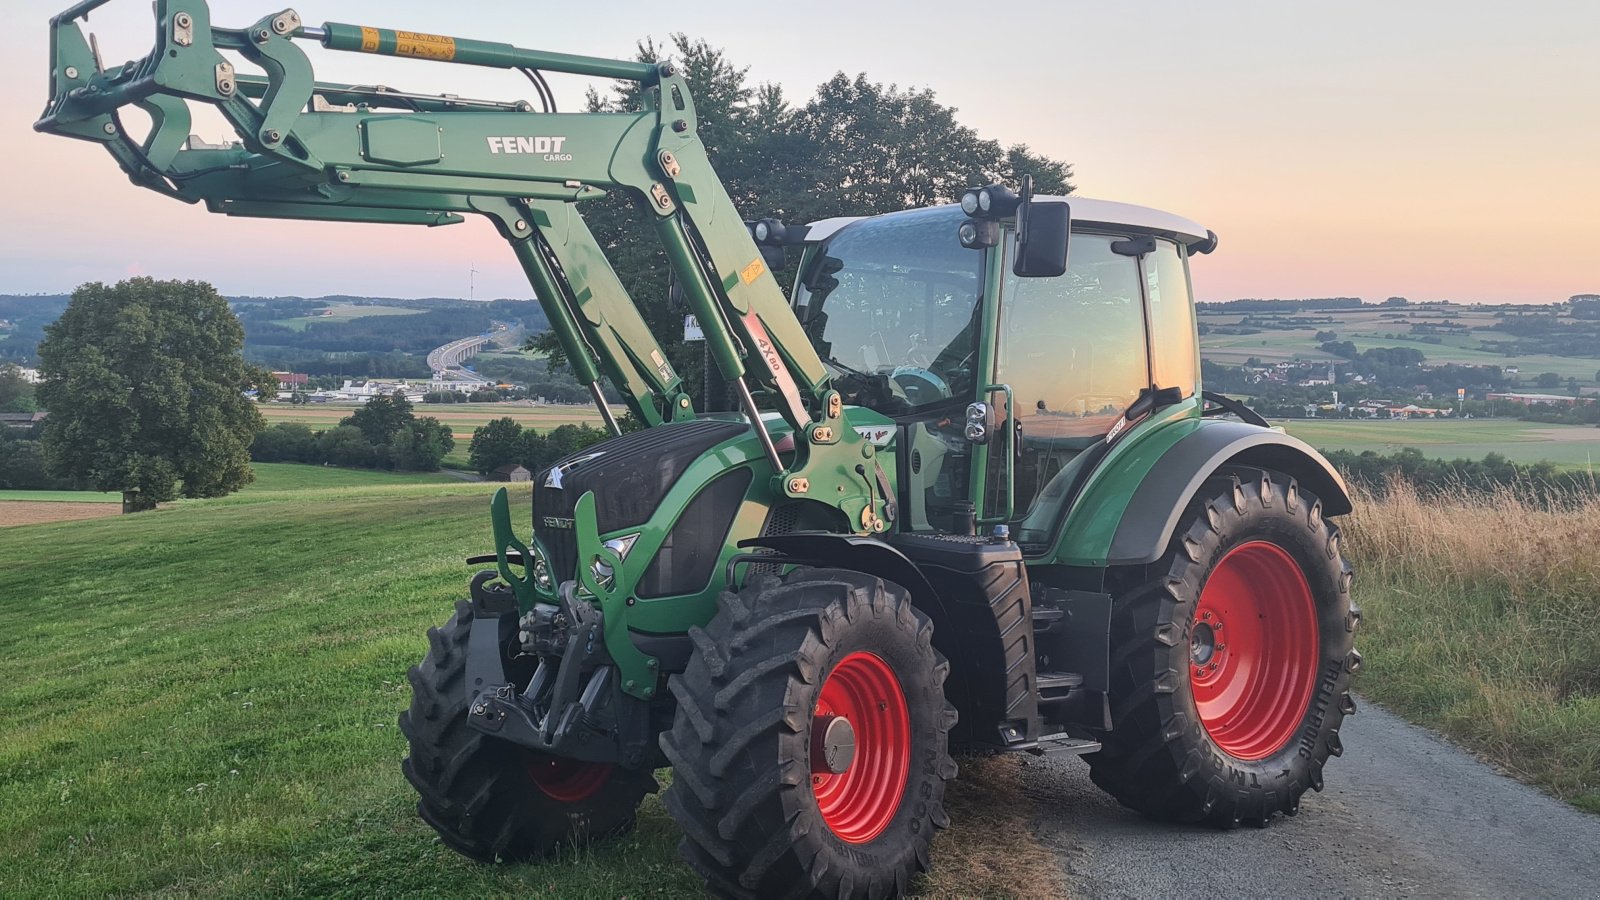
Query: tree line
point(1542, 481)
point(383, 434)
point(504, 442)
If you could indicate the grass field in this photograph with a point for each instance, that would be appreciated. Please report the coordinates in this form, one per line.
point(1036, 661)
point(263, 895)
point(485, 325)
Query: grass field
point(1367, 327)
point(1480, 620)
point(62, 496)
point(1568, 446)
point(202, 700)
point(344, 312)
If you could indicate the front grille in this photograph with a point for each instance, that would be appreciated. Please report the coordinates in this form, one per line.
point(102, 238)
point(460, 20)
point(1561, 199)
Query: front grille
point(629, 475)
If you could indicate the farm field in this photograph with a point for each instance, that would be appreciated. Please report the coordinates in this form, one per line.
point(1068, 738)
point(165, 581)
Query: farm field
point(1568, 446)
point(344, 312)
point(1367, 327)
point(230, 727)
point(33, 512)
point(62, 496)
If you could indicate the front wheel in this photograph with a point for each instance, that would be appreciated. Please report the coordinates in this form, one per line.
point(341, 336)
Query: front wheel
point(809, 748)
point(1232, 659)
point(488, 798)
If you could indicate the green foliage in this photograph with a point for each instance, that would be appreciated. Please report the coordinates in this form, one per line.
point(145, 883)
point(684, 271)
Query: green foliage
point(495, 444)
point(22, 465)
point(384, 434)
point(381, 418)
point(1538, 482)
point(145, 381)
point(504, 441)
point(16, 393)
point(285, 442)
point(1548, 380)
point(346, 446)
point(422, 446)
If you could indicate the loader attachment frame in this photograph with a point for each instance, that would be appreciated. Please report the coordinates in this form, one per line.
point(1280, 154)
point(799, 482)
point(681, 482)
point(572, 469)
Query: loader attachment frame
point(353, 153)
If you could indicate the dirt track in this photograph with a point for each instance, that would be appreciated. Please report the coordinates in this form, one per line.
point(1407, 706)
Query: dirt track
point(32, 512)
point(1404, 814)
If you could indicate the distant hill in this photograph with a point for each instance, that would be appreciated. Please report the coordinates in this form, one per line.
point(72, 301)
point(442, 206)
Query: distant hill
point(370, 336)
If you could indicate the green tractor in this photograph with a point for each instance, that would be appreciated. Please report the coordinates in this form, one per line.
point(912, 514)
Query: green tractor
point(960, 492)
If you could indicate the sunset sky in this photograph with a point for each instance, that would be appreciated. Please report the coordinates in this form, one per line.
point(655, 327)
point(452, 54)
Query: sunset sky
point(1431, 150)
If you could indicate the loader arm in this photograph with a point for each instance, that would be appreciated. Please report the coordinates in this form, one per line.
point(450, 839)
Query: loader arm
point(324, 151)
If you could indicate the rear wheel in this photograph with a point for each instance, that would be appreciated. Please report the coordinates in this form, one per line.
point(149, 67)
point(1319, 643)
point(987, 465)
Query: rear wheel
point(1232, 659)
point(809, 748)
point(490, 799)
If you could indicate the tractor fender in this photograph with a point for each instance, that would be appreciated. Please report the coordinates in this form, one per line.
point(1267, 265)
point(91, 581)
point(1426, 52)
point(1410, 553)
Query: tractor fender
point(1152, 513)
point(851, 551)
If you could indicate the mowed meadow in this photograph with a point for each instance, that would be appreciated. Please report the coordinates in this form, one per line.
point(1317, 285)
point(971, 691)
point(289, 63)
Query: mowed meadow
point(202, 700)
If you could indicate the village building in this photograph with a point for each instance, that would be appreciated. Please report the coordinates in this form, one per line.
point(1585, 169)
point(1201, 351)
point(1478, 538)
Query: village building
point(512, 473)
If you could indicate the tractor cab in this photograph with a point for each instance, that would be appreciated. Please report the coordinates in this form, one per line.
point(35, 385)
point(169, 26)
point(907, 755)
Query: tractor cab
point(1005, 389)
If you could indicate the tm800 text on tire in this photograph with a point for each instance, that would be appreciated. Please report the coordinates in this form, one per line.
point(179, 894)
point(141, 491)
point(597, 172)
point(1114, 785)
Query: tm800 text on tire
point(490, 799)
point(809, 748)
point(1232, 658)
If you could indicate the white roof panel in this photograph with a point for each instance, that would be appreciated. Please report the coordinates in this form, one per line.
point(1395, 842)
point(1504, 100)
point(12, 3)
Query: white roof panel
point(1085, 211)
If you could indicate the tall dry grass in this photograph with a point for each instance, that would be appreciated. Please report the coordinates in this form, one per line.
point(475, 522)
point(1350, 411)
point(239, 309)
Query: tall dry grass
point(1483, 620)
point(1462, 538)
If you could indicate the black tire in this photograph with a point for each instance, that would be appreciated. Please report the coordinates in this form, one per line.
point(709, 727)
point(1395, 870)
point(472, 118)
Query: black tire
point(740, 746)
point(479, 792)
point(1161, 758)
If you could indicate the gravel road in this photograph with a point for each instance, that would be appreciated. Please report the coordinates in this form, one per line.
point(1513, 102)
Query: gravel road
point(1404, 814)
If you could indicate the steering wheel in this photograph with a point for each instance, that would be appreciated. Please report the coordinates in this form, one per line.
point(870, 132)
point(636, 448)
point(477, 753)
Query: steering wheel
point(919, 385)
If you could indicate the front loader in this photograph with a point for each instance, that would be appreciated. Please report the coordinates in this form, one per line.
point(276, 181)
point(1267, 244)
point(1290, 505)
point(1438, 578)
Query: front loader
point(961, 492)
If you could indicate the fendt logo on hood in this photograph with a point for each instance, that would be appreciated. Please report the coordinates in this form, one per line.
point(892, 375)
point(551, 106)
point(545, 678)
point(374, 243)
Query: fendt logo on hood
point(548, 147)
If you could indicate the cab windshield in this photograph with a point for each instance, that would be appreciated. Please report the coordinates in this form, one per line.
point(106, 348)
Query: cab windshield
point(891, 304)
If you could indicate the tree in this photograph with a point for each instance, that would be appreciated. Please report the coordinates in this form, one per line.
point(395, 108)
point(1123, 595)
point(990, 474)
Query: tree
point(145, 386)
point(496, 443)
point(421, 447)
point(381, 418)
point(1548, 380)
point(345, 446)
point(857, 147)
point(285, 442)
point(16, 393)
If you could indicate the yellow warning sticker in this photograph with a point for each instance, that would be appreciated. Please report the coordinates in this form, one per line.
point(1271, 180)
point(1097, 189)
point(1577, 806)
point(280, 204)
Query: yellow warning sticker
point(753, 271)
point(424, 46)
point(369, 40)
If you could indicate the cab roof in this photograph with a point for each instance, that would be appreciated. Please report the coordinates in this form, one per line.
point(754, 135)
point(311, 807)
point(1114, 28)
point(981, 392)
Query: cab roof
point(1086, 212)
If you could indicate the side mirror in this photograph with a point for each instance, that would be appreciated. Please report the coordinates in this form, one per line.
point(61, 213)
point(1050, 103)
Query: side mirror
point(1043, 228)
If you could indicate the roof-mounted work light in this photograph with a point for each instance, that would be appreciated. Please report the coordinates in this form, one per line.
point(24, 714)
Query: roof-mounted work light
point(993, 202)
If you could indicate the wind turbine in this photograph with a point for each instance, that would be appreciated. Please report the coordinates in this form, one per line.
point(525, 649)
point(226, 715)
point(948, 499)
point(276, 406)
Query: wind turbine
point(472, 282)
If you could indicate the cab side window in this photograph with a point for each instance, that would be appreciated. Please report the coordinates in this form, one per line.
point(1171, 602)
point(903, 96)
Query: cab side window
point(1073, 350)
point(1176, 358)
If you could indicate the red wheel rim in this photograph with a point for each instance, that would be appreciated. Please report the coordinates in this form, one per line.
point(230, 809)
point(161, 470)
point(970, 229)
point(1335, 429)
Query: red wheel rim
point(567, 780)
point(1253, 650)
point(858, 803)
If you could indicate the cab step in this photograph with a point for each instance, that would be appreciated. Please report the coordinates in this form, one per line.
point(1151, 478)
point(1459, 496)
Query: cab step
point(1053, 744)
point(1054, 687)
